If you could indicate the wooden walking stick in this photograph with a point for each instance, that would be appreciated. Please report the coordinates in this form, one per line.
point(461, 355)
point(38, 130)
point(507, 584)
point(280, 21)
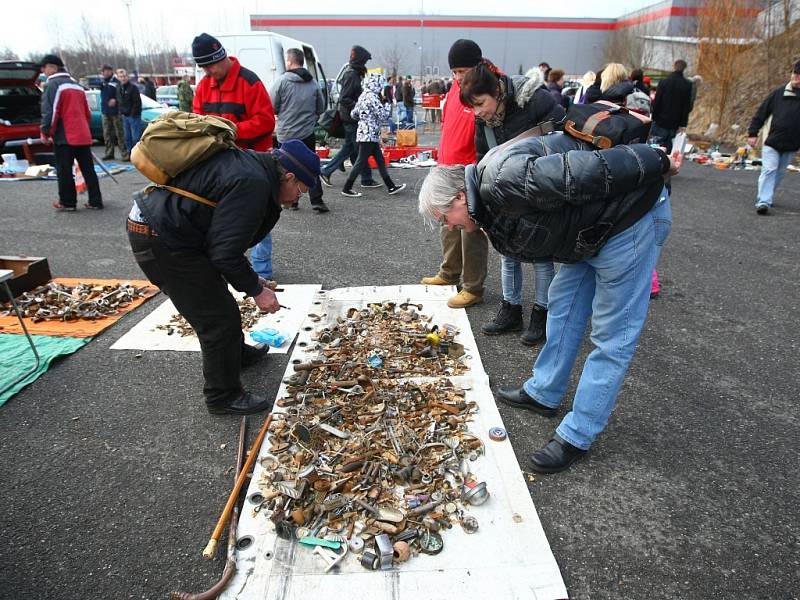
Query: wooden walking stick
point(211, 548)
point(230, 565)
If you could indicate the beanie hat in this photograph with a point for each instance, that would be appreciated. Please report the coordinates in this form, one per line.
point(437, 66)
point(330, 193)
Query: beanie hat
point(464, 54)
point(207, 50)
point(796, 68)
point(52, 59)
point(299, 159)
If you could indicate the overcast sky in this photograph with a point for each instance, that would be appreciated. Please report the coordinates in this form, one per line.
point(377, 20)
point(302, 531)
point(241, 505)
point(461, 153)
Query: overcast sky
point(51, 23)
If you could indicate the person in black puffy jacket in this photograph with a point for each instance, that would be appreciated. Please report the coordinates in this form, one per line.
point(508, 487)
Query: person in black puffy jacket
point(605, 215)
point(505, 107)
point(193, 251)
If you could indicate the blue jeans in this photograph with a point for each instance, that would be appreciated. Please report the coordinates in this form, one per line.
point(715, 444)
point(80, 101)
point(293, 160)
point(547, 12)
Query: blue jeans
point(613, 289)
point(261, 255)
point(773, 169)
point(134, 127)
point(348, 150)
point(511, 278)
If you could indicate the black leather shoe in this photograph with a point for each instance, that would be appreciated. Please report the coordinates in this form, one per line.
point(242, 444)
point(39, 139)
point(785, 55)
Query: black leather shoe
point(517, 398)
point(320, 207)
point(253, 354)
point(245, 404)
point(555, 457)
point(535, 332)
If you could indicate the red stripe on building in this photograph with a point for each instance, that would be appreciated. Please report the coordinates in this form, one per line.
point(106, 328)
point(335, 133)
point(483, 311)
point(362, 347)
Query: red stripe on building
point(572, 24)
point(261, 23)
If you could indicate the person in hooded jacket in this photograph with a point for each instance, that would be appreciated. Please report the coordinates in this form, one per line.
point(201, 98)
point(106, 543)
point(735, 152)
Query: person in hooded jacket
point(350, 90)
point(603, 214)
point(298, 103)
point(193, 251)
point(504, 107)
point(371, 111)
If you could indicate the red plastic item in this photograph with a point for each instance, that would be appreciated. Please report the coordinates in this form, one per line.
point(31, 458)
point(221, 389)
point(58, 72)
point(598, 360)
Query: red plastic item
point(323, 152)
point(431, 100)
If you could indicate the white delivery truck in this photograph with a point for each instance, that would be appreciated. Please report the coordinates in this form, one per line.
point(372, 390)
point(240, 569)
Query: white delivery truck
point(264, 53)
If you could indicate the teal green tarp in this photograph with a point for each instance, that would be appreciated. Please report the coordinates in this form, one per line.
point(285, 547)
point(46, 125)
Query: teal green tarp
point(16, 358)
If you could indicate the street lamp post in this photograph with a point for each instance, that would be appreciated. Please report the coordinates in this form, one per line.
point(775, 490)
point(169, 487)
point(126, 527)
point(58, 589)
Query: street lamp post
point(421, 25)
point(127, 4)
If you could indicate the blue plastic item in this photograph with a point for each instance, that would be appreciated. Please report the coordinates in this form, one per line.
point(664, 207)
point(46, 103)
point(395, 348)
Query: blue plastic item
point(375, 361)
point(270, 336)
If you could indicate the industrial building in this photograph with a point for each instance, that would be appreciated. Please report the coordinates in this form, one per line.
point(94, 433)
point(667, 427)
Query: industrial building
point(419, 44)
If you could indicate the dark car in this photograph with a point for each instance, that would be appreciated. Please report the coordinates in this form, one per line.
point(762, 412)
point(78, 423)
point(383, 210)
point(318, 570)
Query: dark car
point(20, 103)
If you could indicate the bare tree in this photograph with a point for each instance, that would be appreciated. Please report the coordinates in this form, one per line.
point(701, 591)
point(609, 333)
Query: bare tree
point(8, 54)
point(630, 47)
point(393, 58)
point(724, 28)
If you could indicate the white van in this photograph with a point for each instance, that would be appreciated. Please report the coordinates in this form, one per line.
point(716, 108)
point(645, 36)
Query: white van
point(264, 53)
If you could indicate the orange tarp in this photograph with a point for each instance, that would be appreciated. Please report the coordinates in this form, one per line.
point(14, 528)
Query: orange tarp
point(82, 328)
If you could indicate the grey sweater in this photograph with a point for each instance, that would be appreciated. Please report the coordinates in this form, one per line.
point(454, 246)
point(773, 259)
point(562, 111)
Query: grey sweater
point(298, 102)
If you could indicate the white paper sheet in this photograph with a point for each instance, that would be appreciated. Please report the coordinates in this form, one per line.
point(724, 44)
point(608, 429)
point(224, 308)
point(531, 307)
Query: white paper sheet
point(509, 557)
point(146, 336)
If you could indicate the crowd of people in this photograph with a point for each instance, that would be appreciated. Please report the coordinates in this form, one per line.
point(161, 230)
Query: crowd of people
point(508, 175)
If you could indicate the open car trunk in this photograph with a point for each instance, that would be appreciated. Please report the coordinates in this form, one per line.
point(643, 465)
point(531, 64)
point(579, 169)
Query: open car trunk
point(20, 99)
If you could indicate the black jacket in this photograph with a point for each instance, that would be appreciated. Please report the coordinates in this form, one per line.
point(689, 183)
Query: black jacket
point(245, 185)
point(673, 102)
point(350, 82)
point(784, 106)
point(129, 100)
point(108, 90)
point(555, 197)
point(526, 107)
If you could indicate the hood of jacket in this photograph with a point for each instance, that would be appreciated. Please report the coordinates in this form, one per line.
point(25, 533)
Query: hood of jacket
point(299, 74)
point(374, 83)
point(618, 92)
point(523, 88)
point(359, 56)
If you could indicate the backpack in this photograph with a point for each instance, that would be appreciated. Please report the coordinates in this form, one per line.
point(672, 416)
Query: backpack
point(178, 140)
point(605, 124)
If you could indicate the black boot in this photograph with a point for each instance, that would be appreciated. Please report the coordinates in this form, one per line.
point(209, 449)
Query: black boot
point(508, 319)
point(536, 328)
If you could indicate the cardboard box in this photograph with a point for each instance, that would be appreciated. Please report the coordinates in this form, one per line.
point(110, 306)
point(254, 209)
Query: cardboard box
point(29, 273)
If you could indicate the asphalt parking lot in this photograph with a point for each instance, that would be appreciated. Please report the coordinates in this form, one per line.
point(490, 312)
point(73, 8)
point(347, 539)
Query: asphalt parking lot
point(114, 474)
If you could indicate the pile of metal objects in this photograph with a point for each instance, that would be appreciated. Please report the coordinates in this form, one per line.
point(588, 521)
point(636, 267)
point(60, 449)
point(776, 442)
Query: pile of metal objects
point(59, 302)
point(247, 307)
point(369, 451)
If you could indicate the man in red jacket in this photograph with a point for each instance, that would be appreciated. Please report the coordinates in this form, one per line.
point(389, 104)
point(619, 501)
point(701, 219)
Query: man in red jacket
point(65, 123)
point(231, 91)
point(465, 254)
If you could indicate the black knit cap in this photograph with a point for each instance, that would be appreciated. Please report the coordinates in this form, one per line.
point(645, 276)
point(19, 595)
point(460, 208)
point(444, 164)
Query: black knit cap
point(207, 50)
point(52, 59)
point(796, 68)
point(464, 54)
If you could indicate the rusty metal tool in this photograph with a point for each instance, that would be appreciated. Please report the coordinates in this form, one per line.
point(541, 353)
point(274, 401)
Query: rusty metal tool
point(211, 548)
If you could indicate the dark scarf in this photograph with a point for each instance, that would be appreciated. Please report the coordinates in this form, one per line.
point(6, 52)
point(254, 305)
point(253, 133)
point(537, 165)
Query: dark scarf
point(500, 114)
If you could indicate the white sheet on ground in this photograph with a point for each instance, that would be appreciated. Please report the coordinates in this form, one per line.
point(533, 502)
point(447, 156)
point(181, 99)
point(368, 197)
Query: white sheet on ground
point(146, 336)
point(509, 557)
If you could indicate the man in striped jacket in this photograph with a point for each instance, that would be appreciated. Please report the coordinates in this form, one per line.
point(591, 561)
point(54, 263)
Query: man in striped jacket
point(65, 124)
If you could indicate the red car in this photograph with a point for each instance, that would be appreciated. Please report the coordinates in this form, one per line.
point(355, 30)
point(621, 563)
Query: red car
point(20, 107)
